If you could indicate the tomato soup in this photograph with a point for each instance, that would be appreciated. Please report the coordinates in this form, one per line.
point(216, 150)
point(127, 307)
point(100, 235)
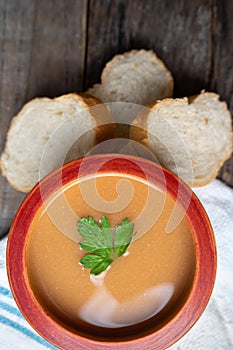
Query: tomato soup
point(142, 289)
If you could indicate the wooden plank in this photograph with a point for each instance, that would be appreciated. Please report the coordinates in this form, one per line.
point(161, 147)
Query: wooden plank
point(178, 31)
point(222, 77)
point(42, 54)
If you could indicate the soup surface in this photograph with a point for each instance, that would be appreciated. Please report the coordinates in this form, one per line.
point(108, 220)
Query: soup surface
point(142, 289)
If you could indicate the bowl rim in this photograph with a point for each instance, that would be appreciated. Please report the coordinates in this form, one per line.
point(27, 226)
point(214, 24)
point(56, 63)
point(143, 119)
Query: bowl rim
point(206, 256)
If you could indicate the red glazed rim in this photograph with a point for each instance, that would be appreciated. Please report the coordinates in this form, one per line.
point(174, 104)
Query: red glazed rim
point(195, 214)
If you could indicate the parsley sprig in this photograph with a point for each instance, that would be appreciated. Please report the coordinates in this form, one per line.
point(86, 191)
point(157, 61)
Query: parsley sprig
point(102, 246)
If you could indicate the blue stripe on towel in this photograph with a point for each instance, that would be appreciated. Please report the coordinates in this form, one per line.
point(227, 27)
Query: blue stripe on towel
point(11, 309)
point(6, 292)
point(6, 321)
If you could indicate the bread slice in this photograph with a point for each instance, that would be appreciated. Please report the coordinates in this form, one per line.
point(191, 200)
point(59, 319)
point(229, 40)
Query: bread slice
point(192, 137)
point(44, 135)
point(137, 76)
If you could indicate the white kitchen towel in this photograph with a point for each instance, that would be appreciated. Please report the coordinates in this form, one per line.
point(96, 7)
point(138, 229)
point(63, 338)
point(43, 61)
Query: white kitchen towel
point(15, 332)
point(213, 331)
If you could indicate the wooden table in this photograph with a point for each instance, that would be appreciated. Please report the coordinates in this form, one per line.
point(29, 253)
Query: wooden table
point(51, 47)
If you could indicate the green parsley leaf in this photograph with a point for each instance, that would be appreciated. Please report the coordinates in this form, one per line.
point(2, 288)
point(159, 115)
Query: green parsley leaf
point(97, 269)
point(92, 249)
point(90, 230)
point(98, 241)
point(106, 232)
point(123, 237)
point(89, 261)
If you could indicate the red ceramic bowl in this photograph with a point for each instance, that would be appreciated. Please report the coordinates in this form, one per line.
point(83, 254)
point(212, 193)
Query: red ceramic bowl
point(205, 251)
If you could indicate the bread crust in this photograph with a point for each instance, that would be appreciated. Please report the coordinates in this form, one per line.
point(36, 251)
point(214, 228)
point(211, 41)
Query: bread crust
point(105, 126)
point(13, 121)
point(119, 57)
point(98, 116)
point(139, 131)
